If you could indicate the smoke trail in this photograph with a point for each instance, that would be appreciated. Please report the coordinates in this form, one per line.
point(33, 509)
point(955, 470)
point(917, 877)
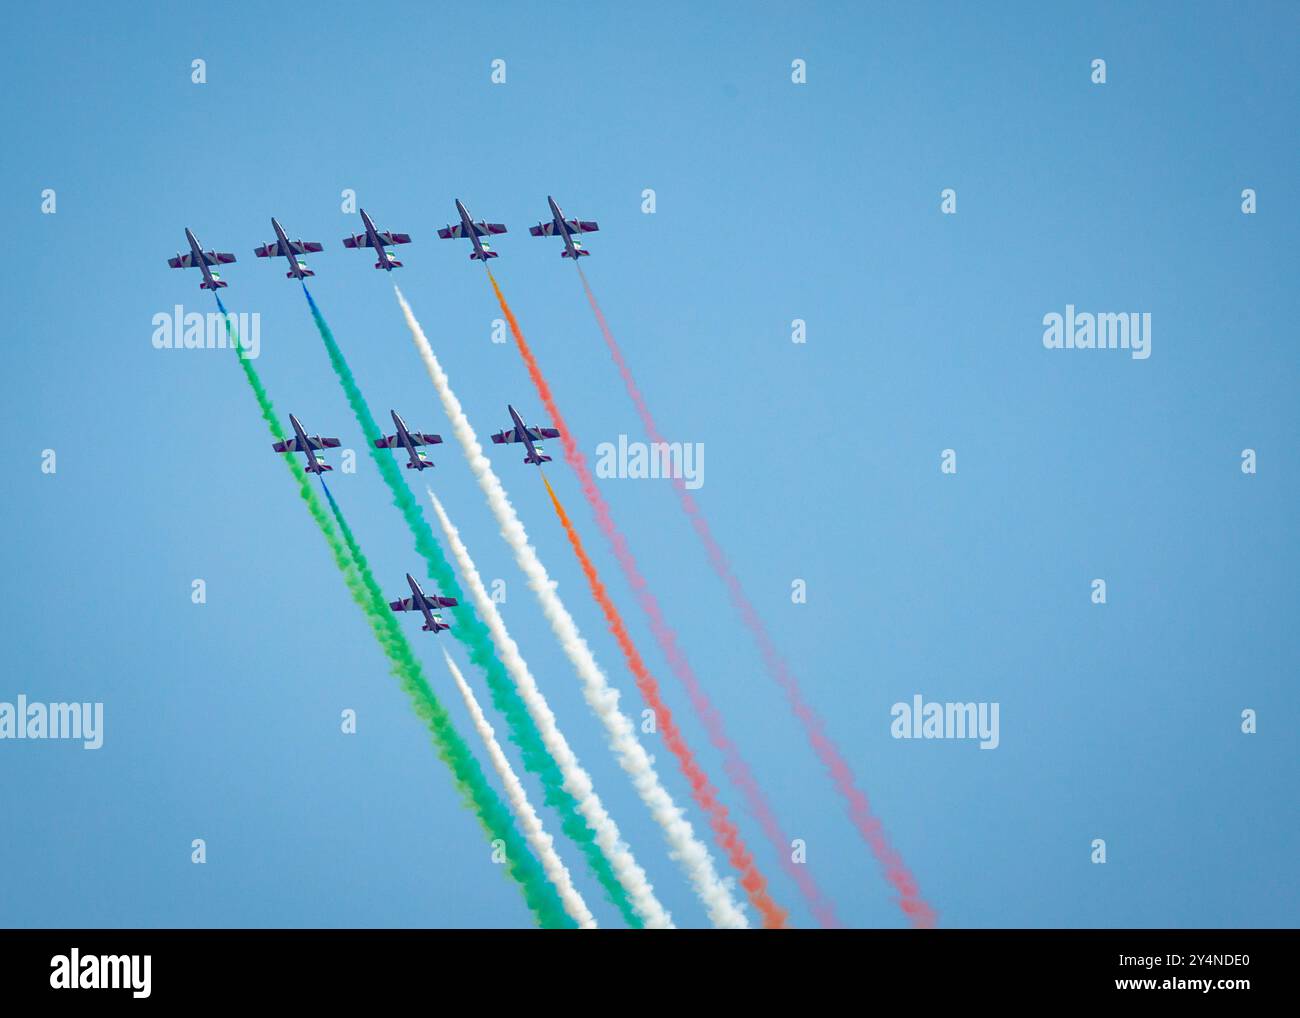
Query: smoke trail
point(774, 917)
point(527, 816)
point(469, 779)
point(916, 908)
point(472, 633)
point(576, 778)
point(737, 768)
point(601, 697)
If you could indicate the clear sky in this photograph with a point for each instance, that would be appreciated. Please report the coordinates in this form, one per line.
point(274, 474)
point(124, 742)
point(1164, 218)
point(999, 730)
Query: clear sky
point(775, 201)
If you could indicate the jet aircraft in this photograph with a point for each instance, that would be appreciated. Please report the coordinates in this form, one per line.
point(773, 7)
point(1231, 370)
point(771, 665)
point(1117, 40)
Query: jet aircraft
point(203, 259)
point(408, 440)
point(531, 437)
point(381, 241)
point(473, 230)
point(302, 442)
point(565, 228)
point(290, 249)
point(421, 602)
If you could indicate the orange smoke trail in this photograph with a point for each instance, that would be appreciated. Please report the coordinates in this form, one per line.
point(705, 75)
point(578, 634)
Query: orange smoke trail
point(774, 917)
point(913, 905)
point(702, 789)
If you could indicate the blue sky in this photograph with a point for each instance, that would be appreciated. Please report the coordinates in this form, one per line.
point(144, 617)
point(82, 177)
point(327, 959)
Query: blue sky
point(775, 201)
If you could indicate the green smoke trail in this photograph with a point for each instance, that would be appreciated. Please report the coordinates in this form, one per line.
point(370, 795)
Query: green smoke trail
point(477, 639)
point(474, 788)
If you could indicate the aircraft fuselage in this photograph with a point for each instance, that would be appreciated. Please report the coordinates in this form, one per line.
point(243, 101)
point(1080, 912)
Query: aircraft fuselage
point(521, 430)
point(563, 228)
point(404, 437)
point(286, 250)
point(467, 225)
point(313, 464)
point(376, 242)
point(199, 260)
point(421, 602)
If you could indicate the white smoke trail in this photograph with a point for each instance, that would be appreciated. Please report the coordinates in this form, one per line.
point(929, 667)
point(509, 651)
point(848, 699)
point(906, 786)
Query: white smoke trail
point(538, 839)
point(684, 846)
point(629, 873)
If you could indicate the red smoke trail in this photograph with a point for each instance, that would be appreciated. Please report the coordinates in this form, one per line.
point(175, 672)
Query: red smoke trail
point(736, 767)
point(774, 917)
point(917, 909)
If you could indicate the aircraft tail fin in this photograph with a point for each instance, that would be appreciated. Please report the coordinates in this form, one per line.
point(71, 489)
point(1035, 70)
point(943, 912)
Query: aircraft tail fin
point(475, 256)
point(539, 459)
point(392, 263)
point(320, 468)
point(582, 253)
point(214, 285)
point(300, 272)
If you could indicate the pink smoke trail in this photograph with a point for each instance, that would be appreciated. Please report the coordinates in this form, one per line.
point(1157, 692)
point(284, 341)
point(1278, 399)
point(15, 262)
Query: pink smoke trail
point(918, 911)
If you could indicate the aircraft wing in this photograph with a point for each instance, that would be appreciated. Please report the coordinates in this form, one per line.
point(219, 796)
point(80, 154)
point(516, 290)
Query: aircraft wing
point(574, 225)
point(186, 261)
point(395, 238)
point(417, 438)
point(274, 249)
point(445, 602)
point(480, 229)
point(505, 436)
point(315, 441)
point(544, 433)
point(407, 604)
point(357, 240)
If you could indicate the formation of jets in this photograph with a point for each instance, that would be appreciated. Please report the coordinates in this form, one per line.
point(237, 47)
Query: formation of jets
point(403, 438)
point(382, 242)
point(410, 442)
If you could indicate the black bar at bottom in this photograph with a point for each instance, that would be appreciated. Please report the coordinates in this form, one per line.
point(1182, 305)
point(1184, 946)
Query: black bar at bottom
point(336, 967)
